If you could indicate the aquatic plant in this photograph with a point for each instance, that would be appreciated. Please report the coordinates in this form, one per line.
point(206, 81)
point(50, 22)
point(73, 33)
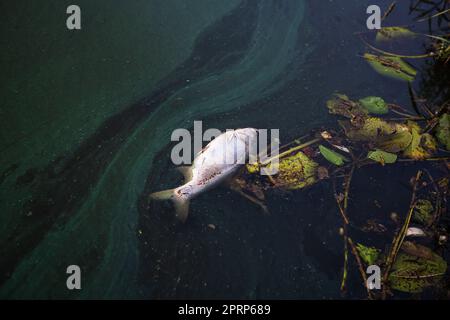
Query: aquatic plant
point(367, 140)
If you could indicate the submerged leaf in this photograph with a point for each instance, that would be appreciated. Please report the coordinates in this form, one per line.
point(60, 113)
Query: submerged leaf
point(382, 156)
point(423, 211)
point(386, 136)
point(374, 105)
point(422, 146)
point(389, 33)
point(372, 129)
point(368, 254)
point(396, 142)
point(393, 67)
point(341, 105)
point(296, 171)
point(443, 130)
point(332, 156)
point(413, 274)
point(417, 250)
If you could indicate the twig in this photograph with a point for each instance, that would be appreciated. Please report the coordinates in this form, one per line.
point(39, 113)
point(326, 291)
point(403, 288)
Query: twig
point(360, 267)
point(288, 152)
point(389, 10)
point(345, 272)
point(398, 240)
point(434, 16)
point(347, 188)
point(427, 159)
point(295, 141)
point(406, 115)
point(391, 54)
point(396, 106)
point(341, 210)
point(433, 182)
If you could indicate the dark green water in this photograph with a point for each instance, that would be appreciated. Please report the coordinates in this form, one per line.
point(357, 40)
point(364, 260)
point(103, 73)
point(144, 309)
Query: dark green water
point(86, 118)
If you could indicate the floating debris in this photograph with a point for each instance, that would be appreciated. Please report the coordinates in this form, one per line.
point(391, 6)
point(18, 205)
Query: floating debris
point(415, 232)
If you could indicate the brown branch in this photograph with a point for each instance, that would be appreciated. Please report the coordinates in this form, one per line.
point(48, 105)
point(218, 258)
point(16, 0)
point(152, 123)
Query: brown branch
point(345, 272)
point(360, 267)
point(398, 240)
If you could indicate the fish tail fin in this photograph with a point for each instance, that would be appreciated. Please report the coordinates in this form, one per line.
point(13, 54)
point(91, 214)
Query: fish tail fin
point(181, 205)
point(181, 209)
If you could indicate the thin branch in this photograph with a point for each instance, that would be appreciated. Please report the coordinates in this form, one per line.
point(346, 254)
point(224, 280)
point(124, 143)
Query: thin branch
point(398, 240)
point(360, 267)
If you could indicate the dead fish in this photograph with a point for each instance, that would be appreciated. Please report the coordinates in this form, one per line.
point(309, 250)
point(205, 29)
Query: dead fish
point(219, 160)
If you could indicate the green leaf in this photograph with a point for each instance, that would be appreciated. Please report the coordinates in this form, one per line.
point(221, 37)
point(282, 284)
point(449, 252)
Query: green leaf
point(390, 33)
point(374, 105)
point(368, 254)
point(333, 157)
point(443, 130)
point(393, 67)
point(413, 274)
point(382, 156)
point(423, 211)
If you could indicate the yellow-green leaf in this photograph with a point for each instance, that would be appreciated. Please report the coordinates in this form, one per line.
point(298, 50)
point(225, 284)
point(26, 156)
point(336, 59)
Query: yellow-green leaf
point(368, 254)
point(393, 67)
point(422, 145)
point(390, 33)
point(413, 274)
point(382, 156)
point(296, 171)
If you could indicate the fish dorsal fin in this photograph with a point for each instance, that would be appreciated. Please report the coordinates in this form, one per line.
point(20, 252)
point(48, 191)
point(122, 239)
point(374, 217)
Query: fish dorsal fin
point(187, 172)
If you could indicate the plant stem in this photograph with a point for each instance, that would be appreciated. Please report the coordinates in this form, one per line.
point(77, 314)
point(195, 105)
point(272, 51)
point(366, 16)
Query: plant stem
point(288, 152)
point(345, 272)
point(398, 240)
point(360, 267)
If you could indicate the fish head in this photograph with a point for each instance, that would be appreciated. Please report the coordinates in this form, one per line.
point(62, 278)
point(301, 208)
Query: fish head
point(249, 135)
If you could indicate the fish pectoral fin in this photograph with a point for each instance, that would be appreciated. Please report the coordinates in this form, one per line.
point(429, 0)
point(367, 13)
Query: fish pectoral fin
point(162, 195)
point(181, 209)
point(187, 172)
